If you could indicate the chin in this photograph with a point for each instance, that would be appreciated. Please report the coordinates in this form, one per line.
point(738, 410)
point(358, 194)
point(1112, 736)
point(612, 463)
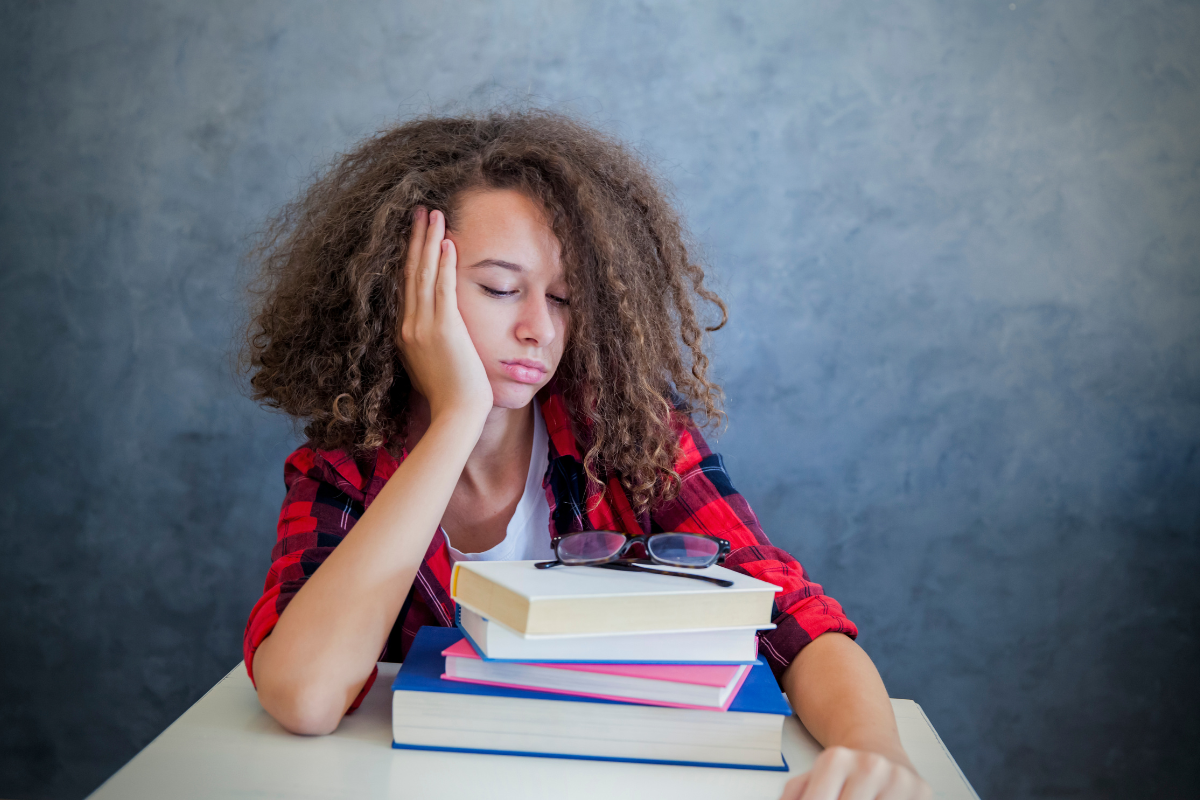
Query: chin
point(513, 395)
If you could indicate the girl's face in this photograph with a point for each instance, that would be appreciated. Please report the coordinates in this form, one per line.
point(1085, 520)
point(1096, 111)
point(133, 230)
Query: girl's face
point(512, 292)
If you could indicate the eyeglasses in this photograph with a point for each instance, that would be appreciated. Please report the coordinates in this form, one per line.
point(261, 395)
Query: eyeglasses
point(608, 548)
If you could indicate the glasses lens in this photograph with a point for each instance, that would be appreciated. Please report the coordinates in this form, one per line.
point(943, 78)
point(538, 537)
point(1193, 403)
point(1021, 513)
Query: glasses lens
point(589, 546)
point(683, 549)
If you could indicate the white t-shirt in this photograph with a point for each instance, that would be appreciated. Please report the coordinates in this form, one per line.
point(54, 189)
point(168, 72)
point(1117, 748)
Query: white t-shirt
point(528, 534)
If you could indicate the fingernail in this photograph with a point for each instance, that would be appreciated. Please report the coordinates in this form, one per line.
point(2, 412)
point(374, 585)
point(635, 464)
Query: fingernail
point(422, 211)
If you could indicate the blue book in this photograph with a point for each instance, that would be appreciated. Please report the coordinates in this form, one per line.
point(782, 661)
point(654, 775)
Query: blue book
point(429, 713)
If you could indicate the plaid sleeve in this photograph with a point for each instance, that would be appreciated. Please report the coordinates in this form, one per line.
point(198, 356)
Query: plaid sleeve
point(708, 503)
point(317, 514)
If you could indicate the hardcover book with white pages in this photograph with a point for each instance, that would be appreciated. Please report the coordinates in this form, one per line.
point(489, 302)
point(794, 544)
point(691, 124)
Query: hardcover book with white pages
point(709, 686)
point(494, 642)
point(429, 713)
point(588, 599)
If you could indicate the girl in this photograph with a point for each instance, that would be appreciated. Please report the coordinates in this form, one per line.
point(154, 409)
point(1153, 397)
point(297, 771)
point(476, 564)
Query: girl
point(488, 325)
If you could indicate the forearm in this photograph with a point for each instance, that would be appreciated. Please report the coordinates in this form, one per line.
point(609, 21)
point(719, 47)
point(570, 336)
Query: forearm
point(322, 650)
point(838, 695)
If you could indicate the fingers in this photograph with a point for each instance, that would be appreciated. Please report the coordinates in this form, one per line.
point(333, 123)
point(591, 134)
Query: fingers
point(421, 270)
point(844, 774)
point(873, 776)
point(416, 245)
point(828, 775)
point(447, 278)
point(430, 256)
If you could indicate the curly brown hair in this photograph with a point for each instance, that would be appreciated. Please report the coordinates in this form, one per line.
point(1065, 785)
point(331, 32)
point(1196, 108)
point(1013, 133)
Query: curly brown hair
point(321, 344)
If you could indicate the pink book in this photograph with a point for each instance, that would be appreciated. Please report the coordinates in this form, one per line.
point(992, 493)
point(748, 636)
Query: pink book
point(707, 686)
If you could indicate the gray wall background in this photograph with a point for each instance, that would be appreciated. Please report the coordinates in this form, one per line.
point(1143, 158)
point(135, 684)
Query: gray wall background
point(960, 245)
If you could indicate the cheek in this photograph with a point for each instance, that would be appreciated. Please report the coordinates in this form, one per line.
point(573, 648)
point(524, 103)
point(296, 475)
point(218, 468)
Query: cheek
point(485, 323)
point(562, 329)
point(474, 316)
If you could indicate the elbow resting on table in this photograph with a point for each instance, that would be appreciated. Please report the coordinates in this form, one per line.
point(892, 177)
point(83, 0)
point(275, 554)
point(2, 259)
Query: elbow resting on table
point(303, 709)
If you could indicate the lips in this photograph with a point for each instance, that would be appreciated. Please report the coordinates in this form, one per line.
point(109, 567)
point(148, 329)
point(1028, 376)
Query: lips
point(524, 370)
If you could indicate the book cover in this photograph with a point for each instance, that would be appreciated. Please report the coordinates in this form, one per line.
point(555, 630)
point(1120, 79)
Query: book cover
point(759, 696)
point(703, 686)
point(731, 645)
point(573, 600)
point(422, 672)
point(701, 674)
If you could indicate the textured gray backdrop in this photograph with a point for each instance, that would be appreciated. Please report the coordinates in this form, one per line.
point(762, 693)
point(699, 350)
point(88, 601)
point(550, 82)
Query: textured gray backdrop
point(960, 245)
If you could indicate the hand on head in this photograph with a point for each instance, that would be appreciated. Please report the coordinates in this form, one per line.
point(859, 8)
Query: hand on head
point(435, 347)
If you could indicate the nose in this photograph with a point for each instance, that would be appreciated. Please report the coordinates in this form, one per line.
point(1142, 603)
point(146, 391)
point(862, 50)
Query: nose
point(535, 325)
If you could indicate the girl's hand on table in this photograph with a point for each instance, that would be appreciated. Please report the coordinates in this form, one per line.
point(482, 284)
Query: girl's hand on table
point(844, 774)
point(435, 347)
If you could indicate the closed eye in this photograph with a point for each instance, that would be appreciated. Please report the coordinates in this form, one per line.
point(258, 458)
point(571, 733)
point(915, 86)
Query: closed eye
point(562, 301)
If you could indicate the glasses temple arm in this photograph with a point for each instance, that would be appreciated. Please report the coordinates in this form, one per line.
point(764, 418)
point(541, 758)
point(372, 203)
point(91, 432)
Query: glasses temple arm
point(623, 565)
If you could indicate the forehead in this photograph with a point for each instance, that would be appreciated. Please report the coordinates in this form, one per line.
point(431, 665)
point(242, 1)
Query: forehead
point(505, 225)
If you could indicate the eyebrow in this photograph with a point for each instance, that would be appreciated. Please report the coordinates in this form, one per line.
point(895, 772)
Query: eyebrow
point(495, 262)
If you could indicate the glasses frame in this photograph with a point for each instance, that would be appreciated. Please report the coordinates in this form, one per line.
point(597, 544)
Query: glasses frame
point(618, 561)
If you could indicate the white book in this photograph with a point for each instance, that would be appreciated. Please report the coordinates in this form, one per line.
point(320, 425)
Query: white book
point(575, 600)
point(714, 646)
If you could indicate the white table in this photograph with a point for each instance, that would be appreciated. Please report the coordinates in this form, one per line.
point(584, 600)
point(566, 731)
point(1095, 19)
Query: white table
point(226, 746)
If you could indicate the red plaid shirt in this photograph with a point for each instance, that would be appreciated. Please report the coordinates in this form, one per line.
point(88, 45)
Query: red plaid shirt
point(329, 491)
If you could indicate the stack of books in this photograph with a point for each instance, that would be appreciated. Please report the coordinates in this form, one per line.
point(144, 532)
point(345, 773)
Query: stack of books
point(586, 662)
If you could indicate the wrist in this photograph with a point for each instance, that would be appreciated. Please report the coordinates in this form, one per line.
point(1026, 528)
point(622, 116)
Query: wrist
point(462, 414)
